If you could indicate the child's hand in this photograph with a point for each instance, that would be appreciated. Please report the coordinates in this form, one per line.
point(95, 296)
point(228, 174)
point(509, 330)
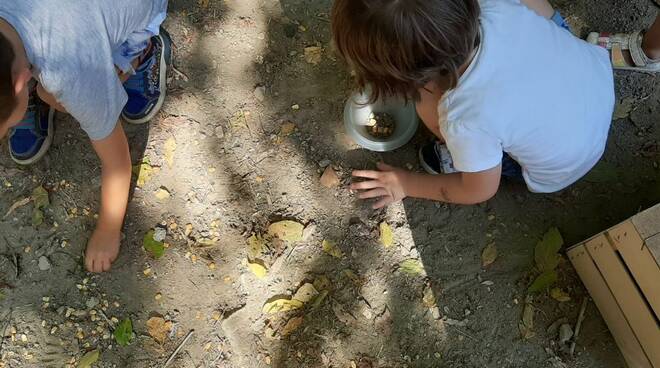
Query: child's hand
point(388, 184)
point(102, 250)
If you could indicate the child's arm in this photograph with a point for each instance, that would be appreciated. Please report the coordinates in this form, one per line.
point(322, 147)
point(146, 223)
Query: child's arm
point(392, 184)
point(541, 7)
point(115, 185)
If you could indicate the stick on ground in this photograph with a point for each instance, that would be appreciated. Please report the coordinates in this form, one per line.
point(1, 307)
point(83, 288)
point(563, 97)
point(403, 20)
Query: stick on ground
point(178, 348)
point(578, 325)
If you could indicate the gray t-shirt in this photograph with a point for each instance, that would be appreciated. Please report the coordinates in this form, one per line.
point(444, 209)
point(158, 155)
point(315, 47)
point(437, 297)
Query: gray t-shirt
point(70, 44)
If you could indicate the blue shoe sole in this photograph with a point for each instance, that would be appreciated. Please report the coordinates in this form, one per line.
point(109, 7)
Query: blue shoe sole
point(165, 62)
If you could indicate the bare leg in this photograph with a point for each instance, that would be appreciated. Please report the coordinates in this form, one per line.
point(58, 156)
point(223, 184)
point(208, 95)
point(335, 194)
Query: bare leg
point(541, 7)
point(427, 109)
point(651, 43)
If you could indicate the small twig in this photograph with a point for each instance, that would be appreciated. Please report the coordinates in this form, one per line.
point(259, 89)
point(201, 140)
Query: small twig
point(176, 351)
point(110, 323)
point(180, 74)
point(578, 325)
point(4, 328)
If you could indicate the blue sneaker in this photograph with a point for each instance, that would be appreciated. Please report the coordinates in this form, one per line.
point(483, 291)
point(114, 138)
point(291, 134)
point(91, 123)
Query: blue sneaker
point(31, 138)
point(146, 89)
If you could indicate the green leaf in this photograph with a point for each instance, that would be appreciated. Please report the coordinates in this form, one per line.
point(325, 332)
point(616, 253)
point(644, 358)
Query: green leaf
point(88, 359)
point(546, 253)
point(37, 217)
point(155, 248)
point(623, 108)
point(543, 282)
point(412, 267)
point(40, 197)
point(124, 332)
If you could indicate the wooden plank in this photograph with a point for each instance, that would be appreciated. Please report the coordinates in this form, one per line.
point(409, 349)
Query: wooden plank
point(648, 222)
point(625, 292)
point(609, 309)
point(653, 243)
point(639, 260)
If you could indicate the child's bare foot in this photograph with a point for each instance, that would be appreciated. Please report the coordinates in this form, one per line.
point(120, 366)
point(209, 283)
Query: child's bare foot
point(102, 250)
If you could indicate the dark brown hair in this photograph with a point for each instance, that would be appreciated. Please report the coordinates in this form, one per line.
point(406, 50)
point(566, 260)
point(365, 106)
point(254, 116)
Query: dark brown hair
point(7, 96)
point(398, 46)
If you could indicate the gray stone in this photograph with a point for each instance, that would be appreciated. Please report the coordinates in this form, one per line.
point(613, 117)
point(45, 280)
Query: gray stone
point(160, 234)
point(565, 333)
point(44, 263)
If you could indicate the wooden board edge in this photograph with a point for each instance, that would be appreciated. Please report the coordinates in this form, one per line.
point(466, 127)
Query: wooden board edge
point(609, 309)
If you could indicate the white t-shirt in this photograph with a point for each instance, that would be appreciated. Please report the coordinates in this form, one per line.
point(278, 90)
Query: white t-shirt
point(534, 91)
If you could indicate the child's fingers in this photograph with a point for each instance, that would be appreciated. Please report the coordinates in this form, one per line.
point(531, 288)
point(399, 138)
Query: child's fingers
point(385, 167)
point(369, 184)
point(380, 192)
point(384, 201)
point(368, 174)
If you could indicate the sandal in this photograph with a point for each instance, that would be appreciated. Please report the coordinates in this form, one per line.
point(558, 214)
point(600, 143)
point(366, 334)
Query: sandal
point(618, 43)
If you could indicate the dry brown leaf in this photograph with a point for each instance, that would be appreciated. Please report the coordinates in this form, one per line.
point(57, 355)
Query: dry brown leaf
point(292, 325)
point(489, 255)
point(159, 329)
point(18, 204)
point(313, 54)
point(526, 325)
point(329, 179)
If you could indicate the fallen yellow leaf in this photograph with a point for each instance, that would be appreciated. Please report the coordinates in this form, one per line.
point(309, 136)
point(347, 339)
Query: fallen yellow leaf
point(144, 172)
point(489, 255)
point(560, 295)
point(386, 235)
point(162, 194)
point(331, 248)
point(306, 293)
point(168, 151)
point(258, 270)
point(282, 305)
point(290, 231)
point(429, 298)
point(256, 245)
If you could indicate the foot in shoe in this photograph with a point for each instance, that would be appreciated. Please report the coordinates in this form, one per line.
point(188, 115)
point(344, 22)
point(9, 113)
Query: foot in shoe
point(147, 88)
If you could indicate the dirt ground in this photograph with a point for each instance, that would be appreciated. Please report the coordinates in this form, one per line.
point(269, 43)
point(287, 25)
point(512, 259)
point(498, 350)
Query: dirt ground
point(239, 165)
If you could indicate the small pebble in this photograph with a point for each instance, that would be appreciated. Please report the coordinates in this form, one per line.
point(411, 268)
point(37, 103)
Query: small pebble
point(44, 263)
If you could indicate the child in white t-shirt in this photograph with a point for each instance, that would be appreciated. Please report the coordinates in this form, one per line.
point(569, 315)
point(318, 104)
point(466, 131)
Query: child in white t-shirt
point(504, 86)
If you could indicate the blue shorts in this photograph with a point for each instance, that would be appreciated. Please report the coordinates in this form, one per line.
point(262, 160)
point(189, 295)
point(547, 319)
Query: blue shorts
point(137, 42)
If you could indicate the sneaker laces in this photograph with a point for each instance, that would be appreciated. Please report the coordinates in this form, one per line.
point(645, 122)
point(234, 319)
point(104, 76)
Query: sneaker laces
point(144, 79)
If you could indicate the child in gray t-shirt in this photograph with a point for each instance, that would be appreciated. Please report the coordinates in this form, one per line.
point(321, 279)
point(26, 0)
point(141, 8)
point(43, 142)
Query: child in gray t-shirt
point(97, 60)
